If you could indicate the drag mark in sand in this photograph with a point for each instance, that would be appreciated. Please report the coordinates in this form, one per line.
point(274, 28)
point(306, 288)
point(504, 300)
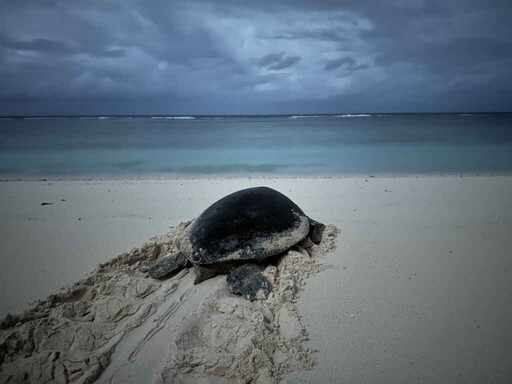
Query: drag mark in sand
point(104, 326)
point(160, 322)
point(71, 335)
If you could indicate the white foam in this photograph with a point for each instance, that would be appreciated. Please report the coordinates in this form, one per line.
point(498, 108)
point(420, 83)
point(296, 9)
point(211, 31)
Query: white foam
point(356, 115)
point(95, 117)
point(306, 116)
point(173, 117)
point(43, 118)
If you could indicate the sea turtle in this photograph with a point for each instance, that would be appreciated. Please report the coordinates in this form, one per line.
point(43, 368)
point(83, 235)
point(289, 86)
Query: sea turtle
point(235, 234)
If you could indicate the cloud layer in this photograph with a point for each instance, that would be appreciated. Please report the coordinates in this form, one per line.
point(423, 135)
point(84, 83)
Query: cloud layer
point(219, 57)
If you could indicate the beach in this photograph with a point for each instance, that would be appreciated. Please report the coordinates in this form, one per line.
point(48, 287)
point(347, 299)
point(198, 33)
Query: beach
point(416, 287)
point(211, 192)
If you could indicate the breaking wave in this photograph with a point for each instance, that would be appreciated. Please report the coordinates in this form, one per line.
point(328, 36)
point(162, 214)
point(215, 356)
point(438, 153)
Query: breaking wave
point(356, 115)
point(173, 117)
point(327, 116)
point(43, 118)
point(306, 116)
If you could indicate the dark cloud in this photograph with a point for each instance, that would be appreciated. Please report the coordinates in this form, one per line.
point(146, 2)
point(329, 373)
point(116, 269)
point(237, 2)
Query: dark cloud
point(270, 58)
point(58, 48)
point(440, 56)
point(333, 64)
point(286, 62)
point(278, 61)
point(318, 34)
point(40, 45)
point(360, 67)
point(227, 56)
point(347, 64)
point(111, 53)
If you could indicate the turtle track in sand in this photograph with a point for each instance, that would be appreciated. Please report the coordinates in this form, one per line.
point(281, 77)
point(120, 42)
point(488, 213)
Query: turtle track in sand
point(74, 335)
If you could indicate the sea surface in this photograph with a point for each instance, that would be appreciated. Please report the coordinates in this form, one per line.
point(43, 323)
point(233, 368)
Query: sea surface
point(299, 145)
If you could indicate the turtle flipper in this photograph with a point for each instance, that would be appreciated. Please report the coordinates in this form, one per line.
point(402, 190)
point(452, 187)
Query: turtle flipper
point(316, 230)
point(248, 280)
point(168, 265)
point(203, 273)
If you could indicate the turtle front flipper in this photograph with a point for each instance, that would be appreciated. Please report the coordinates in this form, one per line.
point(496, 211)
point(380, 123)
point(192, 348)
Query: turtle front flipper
point(248, 280)
point(316, 230)
point(168, 265)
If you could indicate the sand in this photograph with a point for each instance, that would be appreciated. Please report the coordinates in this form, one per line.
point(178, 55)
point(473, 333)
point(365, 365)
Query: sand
point(117, 325)
point(419, 288)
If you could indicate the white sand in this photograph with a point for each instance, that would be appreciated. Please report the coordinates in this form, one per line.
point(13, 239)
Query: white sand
point(420, 290)
point(127, 327)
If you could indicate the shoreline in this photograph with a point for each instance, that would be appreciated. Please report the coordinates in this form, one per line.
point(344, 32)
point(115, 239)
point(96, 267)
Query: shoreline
point(261, 177)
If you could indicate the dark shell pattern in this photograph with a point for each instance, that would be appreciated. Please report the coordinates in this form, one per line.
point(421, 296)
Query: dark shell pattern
point(251, 224)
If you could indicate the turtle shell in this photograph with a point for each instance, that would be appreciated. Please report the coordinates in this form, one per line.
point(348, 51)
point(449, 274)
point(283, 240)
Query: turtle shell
point(251, 224)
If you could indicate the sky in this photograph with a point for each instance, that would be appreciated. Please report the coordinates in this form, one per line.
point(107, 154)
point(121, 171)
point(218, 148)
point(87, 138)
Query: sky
point(65, 57)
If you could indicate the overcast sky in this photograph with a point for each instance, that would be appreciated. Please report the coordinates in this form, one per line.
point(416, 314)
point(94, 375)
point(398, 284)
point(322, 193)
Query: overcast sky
point(245, 57)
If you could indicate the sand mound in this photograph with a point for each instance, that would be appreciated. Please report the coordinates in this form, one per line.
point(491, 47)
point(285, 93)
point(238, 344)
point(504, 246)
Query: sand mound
point(119, 322)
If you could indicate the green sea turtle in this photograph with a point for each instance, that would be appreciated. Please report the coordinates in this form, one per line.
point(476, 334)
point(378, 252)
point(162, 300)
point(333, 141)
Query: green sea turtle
point(235, 234)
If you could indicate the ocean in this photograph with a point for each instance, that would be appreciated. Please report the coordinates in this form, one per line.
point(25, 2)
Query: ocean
point(233, 146)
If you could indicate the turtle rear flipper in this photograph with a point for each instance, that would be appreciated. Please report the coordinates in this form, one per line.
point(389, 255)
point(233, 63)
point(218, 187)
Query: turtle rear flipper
point(248, 280)
point(168, 265)
point(207, 271)
point(203, 272)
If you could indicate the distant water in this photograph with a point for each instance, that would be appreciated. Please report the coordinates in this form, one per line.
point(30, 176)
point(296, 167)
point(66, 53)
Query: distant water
point(299, 145)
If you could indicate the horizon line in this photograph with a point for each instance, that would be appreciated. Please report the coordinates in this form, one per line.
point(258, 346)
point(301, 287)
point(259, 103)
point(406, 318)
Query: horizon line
point(261, 114)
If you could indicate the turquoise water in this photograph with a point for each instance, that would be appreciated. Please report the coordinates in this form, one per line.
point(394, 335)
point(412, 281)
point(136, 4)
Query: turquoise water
point(203, 146)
